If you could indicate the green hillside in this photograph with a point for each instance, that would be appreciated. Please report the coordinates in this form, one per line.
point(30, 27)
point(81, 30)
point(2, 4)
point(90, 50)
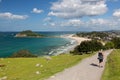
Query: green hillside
point(36, 68)
point(112, 70)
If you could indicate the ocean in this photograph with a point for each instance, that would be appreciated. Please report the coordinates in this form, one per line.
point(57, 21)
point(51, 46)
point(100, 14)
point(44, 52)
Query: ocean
point(52, 45)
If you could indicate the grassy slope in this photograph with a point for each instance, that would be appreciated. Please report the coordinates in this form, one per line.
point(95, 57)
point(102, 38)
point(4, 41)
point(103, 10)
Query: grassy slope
point(112, 71)
point(25, 68)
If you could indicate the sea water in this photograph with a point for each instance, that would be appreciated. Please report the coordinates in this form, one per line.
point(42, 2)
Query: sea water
point(51, 45)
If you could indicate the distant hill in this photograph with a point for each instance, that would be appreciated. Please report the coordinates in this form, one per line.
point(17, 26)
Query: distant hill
point(100, 35)
point(93, 34)
point(28, 33)
point(115, 31)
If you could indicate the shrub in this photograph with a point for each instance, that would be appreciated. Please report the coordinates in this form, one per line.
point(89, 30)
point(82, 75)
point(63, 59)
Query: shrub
point(109, 45)
point(116, 42)
point(23, 53)
point(88, 46)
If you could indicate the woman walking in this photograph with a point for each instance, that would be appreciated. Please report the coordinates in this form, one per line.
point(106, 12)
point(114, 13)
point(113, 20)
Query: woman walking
point(100, 58)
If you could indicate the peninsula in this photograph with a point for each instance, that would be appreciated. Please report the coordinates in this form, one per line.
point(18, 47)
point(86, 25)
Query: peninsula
point(28, 33)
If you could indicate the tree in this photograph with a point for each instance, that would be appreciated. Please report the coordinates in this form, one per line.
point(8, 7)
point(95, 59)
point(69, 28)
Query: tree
point(23, 53)
point(88, 46)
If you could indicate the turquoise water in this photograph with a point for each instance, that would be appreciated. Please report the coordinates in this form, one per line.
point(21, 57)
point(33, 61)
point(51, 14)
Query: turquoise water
point(39, 46)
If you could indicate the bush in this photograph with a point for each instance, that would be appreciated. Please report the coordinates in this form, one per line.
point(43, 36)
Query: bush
point(116, 42)
point(88, 46)
point(109, 45)
point(23, 53)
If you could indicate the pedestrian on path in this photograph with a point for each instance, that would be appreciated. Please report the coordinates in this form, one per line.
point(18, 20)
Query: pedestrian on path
point(100, 58)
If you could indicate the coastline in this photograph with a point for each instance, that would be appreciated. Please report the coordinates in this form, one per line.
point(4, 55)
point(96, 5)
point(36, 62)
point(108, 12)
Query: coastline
point(67, 44)
point(77, 41)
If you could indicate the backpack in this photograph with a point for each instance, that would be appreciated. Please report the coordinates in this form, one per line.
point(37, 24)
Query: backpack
point(100, 56)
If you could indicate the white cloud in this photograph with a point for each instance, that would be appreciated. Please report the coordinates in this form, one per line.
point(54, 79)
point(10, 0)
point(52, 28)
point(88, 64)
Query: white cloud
point(8, 15)
point(52, 24)
point(77, 8)
point(92, 24)
point(72, 22)
point(49, 22)
point(48, 19)
point(117, 13)
point(113, 0)
point(35, 10)
point(102, 24)
point(99, 21)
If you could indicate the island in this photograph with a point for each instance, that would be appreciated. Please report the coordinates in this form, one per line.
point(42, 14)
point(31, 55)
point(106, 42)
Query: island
point(28, 33)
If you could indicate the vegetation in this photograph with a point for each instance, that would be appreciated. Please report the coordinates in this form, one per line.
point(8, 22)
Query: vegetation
point(109, 45)
point(37, 68)
point(93, 35)
point(28, 33)
point(112, 69)
point(111, 39)
point(87, 47)
point(23, 53)
point(116, 42)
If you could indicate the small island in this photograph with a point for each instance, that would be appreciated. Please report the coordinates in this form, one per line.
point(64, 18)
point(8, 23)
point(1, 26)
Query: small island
point(28, 33)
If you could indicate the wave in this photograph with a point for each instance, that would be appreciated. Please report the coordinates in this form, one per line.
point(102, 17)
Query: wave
point(64, 49)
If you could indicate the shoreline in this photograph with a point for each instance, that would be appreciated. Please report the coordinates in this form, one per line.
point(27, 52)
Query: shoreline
point(77, 42)
point(78, 39)
point(72, 40)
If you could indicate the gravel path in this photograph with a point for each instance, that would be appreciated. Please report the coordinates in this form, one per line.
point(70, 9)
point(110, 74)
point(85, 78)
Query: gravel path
point(87, 69)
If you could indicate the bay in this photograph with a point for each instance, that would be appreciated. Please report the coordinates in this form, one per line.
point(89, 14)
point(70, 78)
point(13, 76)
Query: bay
point(52, 44)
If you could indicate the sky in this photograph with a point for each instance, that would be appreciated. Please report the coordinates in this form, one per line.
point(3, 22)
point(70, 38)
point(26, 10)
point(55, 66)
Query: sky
point(59, 15)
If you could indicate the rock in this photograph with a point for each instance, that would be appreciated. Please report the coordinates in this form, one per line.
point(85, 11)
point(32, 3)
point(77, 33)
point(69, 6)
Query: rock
point(52, 76)
point(37, 72)
point(2, 65)
point(3, 78)
point(20, 35)
point(47, 58)
point(37, 65)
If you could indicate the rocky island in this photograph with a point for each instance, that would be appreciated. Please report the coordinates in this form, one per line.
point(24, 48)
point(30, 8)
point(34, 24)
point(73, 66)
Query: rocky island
point(28, 33)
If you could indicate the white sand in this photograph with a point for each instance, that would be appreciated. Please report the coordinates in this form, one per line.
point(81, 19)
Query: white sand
point(78, 39)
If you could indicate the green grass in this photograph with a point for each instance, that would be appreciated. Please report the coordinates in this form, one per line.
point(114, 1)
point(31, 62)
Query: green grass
point(25, 68)
point(112, 70)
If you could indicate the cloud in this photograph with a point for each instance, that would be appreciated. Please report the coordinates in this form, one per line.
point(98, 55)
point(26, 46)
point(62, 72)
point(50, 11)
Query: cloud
point(73, 23)
point(98, 24)
point(48, 19)
point(8, 15)
point(52, 24)
point(99, 21)
point(77, 8)
point(35, 10)
point(0, 0)
point(117, 13)
point(102, 24)
point(113, 0)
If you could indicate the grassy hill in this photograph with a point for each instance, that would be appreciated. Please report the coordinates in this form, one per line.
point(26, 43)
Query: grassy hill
point(36, 68)
point(112, 70)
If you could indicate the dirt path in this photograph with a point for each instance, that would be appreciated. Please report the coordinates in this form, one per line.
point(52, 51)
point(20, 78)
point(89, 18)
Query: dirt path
point(86, 70)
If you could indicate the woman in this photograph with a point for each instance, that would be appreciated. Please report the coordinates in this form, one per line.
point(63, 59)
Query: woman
point(100, 58)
